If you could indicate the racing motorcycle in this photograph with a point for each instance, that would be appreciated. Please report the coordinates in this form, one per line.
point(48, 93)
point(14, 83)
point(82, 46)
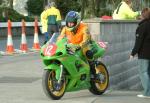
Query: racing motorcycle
point(67, 69)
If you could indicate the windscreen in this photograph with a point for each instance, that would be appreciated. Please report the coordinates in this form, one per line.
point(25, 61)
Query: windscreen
point(54, 37)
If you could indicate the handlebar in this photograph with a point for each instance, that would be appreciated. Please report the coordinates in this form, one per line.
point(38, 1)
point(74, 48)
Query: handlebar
point(72, 48)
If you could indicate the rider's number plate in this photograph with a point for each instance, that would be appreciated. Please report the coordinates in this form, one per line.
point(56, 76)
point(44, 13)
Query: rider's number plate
point(50, 50)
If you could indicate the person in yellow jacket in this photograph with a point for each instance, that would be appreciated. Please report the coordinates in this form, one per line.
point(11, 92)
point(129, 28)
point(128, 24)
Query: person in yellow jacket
point(76, 32)
point(53, 17)
point(124, 11)
point(44, 24)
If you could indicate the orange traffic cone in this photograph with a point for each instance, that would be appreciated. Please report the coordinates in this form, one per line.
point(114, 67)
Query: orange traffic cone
point(36, 44)
point(23, 46)
point(9, 48)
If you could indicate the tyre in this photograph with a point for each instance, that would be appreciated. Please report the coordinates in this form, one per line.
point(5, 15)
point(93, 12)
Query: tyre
point(51, 87)
point(101, 79)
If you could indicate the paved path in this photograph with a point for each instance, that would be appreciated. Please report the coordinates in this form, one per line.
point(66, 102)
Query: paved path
point(20, 82)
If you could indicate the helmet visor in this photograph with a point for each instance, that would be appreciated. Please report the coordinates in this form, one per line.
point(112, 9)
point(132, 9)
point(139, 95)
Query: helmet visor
point(71, 24)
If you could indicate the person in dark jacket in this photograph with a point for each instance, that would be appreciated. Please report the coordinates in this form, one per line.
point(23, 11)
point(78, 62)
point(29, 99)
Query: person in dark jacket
point(142, 50)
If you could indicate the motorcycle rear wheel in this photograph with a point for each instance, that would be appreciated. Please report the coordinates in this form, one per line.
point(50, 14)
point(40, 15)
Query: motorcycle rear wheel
point(48, 85)
point(98, 87)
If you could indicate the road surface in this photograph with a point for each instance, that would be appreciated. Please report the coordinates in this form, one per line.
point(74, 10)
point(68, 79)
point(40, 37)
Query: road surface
point(20, 82)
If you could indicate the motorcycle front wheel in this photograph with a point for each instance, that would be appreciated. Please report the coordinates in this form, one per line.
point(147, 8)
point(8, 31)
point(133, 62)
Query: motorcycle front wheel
point(101, 79)
point(51, 87)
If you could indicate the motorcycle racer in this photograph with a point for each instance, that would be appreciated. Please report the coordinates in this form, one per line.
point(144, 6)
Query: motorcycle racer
point(76, 32)
point(71, 62)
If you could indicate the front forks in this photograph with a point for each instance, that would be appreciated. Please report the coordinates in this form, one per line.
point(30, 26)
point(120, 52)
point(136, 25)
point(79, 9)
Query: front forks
point(59, 73)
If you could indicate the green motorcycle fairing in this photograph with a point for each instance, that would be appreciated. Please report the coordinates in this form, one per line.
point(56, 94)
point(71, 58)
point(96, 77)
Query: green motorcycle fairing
point(76, 68)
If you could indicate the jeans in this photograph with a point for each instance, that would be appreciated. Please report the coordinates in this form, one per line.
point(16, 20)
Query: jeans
point(46, 36)
point(52, 29)
point(144, 73)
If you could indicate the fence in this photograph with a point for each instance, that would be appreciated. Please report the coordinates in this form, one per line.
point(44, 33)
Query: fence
point(16, 28)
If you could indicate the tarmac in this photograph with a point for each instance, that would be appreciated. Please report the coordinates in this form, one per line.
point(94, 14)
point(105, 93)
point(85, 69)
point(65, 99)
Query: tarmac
point(21, 82)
